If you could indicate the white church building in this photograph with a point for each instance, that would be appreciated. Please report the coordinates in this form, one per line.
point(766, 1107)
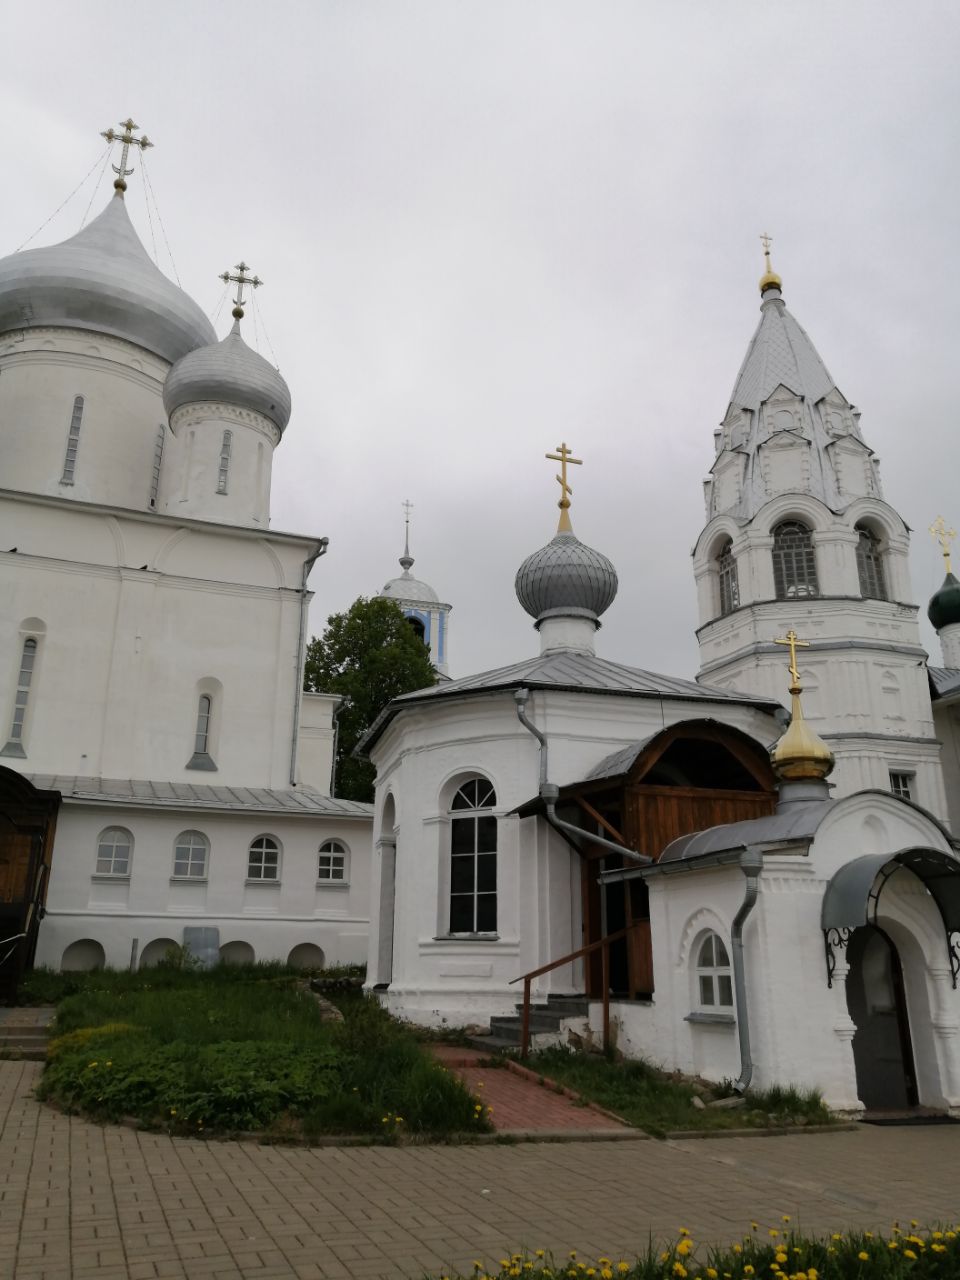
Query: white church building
point(660, 861)
point(157, 754)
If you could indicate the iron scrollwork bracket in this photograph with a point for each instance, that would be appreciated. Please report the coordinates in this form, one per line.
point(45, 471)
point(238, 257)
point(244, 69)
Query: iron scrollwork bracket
point(835, 940)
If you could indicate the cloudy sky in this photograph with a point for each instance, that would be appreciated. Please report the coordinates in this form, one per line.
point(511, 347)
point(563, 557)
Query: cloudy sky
point(487, 226)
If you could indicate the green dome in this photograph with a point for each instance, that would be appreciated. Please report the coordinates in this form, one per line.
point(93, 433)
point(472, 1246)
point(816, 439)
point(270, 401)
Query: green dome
point(944, 607)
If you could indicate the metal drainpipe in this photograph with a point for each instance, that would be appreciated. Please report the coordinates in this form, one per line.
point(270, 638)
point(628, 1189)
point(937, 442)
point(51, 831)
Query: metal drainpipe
point(321, 550)
point(549, 792)
point(751, 864)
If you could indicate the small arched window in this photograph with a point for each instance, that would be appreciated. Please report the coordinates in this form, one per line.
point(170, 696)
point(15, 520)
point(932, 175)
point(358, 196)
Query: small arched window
point(714, 982)
point(224, 469)
point(473, 858)
point(73, 442)
point(873, 584)
point(263, 861)
point(794, 562)
point(28, 660)
point(333, 865)
point(204, 712)
point(729, 582)
point(190, 856)
point(114, 852)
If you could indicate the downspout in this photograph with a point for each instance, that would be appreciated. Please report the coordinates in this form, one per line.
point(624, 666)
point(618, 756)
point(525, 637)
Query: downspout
point(311, 560)
point(549, 791)
point(751, 864)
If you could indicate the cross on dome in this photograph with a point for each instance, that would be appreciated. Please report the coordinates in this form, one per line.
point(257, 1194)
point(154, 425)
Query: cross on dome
point(128, 126)
point(769, 279)
point(240, 279)
point(940, 533)
point(564, 456)
point(795, 643)
point(406, 560)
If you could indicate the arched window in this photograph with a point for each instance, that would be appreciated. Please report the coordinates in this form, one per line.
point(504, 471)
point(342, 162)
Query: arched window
point(333, 865)
point(473, 858)
point(714, 983)
point(873, 584)
point(28, 660)
point(73, 442)
point(794, 562)
point(114, 852)
point(729, 582)
point(224, 469)
point(263, 862)
point(190, 856)
point(204, 712)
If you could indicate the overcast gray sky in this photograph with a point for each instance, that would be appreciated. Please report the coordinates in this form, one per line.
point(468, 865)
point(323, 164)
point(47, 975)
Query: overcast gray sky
point(488, 226)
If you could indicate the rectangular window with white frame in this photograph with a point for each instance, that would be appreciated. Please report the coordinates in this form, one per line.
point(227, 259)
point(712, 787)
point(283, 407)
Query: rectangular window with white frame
point(903, 784)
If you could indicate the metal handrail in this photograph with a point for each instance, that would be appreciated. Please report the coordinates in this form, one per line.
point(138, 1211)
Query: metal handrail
point(526, 979)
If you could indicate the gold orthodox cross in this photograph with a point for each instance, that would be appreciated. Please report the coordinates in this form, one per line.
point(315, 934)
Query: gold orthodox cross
point(128, 141)
point(940, 533)
point(795, 643)
point(240, 279)
point(565, 457)
point(767, 240)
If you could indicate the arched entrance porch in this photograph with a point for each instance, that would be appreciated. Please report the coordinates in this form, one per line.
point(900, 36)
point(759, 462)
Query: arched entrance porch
point(27, 821)
point(876, 1000)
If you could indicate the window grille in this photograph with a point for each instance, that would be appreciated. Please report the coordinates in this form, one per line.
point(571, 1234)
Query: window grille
point(28, 659)
point(73, 442)
point(204, 713)
point(794, 562)
point(224, 462)
point(157, 459)
point(729, 582)
point(190, 855)
point(114, 850)
point(901, 784)
point(714, 983)
point(870, 566)
point(332, 865)
point(473, 859)
point(263, 862)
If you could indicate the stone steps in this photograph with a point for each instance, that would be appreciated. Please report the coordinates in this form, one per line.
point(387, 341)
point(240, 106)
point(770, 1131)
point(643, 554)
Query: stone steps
point(506, 1030)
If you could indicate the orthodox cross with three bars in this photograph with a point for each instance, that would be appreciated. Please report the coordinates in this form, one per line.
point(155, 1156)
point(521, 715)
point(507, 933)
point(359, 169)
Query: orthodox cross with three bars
point(795, 643)
point(128, 141)
point(240, 279)
point(767, 240)
point(565, 457)
point(940, 533)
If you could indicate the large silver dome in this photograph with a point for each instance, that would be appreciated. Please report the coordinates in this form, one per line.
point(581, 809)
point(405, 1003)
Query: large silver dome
point(410, 589)
point(232, 373)
point(103, 280)
point(566, 578)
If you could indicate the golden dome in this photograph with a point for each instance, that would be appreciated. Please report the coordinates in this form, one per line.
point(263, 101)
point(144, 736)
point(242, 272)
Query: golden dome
point(801, 753)
point(770, 280)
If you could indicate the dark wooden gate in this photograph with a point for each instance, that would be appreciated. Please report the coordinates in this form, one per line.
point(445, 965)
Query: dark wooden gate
point(28, 819)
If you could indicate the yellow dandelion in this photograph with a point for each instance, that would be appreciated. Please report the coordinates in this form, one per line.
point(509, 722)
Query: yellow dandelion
point(711, 1273)
point(623, 1267)
point(684, 1247)
point(864, 1257)
point(785, 1217)
point(773, 1233)
point(540, 1253)
point(908, 1253)
point(914, 1223)
point(813, 1273)
point(679, 1269)
point(748, 1270)
point(892, 1244)
point(781, 1256)
point(606, 1273)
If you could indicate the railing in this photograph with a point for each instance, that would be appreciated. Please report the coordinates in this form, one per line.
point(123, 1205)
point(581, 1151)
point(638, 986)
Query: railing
point(527, 978)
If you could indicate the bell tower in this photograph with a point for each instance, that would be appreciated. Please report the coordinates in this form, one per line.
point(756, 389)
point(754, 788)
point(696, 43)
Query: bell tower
point(799, 536)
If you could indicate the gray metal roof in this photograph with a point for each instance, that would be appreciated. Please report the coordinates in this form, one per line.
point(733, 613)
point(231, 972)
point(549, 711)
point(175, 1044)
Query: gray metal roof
point(566, 577)
point(232, 373)
point(796, 823)
point(571, 671)
point(409, 590)
point(103, 280)
point(945, 681)
point(618, 762)
point(780, 352)
point(187, 795)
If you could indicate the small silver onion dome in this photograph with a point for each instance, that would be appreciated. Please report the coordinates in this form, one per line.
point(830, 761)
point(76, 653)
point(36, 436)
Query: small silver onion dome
point(102, 280)
point(410, 588)
point(228, 372)
point(566, 578)
point(944, 608)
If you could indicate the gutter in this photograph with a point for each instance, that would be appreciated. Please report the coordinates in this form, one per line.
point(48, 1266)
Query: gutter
point(311, 560)
point(751, 864)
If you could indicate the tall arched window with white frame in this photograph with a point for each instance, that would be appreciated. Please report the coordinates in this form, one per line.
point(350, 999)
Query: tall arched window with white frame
point(873, 584)
point(728, 579)
point(714, 979)
point(21, 698)
point(73, 442)
point(204, 714)
point(794, 562)
point(473, 858)
point(224, 470)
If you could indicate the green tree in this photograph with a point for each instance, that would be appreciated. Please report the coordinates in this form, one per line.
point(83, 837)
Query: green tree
point(368, 655)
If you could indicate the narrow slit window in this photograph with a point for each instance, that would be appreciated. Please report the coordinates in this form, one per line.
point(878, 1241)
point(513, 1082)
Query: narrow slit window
point(28, 660)
point(204, 712)
point(73, 442)
point(224, 471)
point(155, 474)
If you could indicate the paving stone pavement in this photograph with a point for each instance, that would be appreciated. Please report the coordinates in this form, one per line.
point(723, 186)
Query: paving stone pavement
point(79, 1201)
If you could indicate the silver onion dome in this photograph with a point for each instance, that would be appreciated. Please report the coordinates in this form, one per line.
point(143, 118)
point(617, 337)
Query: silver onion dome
point(228, 372)
point(102, 280)
point(566, 578)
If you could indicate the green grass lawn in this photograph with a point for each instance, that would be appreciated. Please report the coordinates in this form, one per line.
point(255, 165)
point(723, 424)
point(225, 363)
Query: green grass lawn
point(661, 1104)
point(239, 1049)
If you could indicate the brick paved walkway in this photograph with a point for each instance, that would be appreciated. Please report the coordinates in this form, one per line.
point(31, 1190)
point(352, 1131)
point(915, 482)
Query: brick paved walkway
point(92, 1203)
point(523, 1105)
